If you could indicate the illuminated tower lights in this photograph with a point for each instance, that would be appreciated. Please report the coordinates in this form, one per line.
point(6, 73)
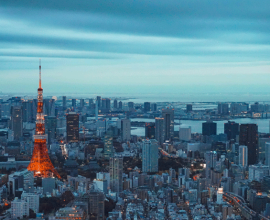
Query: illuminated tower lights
point(40, 162)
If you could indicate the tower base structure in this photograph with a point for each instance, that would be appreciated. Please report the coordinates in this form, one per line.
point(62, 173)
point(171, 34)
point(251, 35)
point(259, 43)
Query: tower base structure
point(40, 163)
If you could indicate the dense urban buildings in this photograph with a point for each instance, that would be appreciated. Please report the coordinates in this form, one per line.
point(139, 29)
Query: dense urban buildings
point(148, 110)
point(124, 159)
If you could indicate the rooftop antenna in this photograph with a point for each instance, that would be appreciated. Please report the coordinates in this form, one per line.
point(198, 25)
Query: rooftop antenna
point(40, 73)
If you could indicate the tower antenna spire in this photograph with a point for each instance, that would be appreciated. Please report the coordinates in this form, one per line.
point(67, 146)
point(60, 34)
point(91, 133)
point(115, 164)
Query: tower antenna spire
point(40, 73)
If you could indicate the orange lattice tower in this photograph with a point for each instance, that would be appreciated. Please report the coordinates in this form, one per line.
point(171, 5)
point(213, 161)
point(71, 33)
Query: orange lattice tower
point(40, 162)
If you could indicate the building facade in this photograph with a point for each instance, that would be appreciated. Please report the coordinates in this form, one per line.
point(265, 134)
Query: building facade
point(150, 156)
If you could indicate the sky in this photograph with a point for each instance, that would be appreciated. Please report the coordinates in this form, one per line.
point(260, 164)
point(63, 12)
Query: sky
point(135, 46)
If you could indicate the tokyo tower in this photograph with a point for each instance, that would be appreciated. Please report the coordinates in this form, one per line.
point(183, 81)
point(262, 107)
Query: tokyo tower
point(40, 162)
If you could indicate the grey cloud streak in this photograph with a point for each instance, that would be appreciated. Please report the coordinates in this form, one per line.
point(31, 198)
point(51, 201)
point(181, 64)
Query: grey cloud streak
point(195, 31)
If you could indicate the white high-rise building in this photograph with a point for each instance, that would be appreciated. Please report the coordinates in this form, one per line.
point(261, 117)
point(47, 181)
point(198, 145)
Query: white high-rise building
point(19, 208)
point(116, 174)
point(185, 134)
point(125, 129)
point(220, 195)
point(243, 156)
point(267, 154)
point(32, 199)
point(150, 156)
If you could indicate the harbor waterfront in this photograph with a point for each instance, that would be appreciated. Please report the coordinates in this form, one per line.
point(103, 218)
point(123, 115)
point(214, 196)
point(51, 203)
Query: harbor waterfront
point(196, 125)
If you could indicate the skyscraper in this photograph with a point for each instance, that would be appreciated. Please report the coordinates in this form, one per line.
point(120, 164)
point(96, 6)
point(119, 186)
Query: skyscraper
point(49, 107)
point(116, 174)
point(168, 115)
point(96, 110)
point(115, 104)
point(81, 103)
point(72, 127)
point(189, 107)
point(210, 159)
point(50, 128)
point(261, 152)
point(223, 108)
point(146, 106)
point(154, 107)
point(125, 129)
point(98, 101)
point(34, 110)
point(248, 136)
point(16, 121)
point(267, 154)
point(209, 128)
point(5, 109)
point(108, 104)
point(150, 130)
point(150, 156)
point(231, 129)
point(243, 156)
point(91, 101)
point(108, 144)
point(27, 111)
point(64, 102)
point(103, 104)
point(97, 204)
point(159, 130)
point(120, 105)
point(74, 103)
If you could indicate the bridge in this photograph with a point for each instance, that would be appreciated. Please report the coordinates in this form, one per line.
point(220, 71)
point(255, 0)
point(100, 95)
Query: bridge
point(240, 203)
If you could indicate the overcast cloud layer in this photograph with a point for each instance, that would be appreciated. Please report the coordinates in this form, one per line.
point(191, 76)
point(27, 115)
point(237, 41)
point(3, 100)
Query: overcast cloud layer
point(88, 46)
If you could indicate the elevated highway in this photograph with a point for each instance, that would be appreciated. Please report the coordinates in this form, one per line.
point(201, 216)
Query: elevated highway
point(240, 203)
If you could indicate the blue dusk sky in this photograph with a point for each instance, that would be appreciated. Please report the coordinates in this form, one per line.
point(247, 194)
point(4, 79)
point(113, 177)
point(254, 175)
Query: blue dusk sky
point(150, 46)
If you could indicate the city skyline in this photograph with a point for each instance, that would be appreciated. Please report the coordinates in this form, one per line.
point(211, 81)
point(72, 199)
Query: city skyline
point(152, 109)
point(96, 46)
